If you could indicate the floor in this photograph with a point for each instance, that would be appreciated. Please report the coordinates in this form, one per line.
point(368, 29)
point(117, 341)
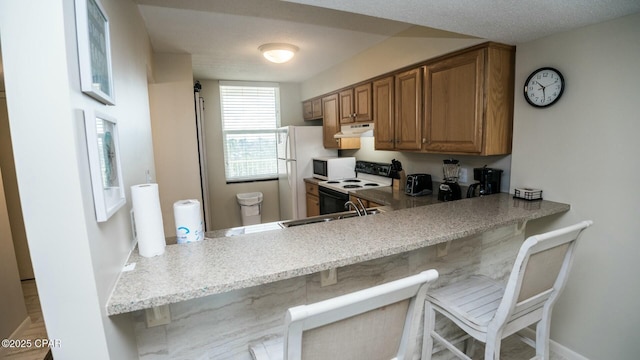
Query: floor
point(35, 331)
point(513, 348)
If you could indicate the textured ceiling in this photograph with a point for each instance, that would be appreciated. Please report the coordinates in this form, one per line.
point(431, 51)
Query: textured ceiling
point(507, 21)
point(223, 36)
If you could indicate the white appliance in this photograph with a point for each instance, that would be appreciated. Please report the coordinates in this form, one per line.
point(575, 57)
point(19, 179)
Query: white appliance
point(297, 145)
point(333, 194)
point(332, 167)
point(355, 130)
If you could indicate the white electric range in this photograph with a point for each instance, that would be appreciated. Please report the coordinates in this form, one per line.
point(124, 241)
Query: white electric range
point(333, 194)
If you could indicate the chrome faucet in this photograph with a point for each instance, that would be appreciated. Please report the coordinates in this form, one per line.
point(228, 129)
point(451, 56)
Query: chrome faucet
point(350, 203)
point(364, 209)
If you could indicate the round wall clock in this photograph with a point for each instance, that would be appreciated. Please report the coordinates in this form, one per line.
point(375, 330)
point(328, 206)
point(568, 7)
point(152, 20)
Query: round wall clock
point(544, 87)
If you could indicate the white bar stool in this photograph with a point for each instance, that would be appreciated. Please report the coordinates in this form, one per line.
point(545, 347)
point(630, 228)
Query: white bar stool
point(378, 323)
point(489, 311)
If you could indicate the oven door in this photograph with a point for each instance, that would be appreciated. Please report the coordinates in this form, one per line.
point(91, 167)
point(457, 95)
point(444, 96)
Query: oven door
point(331, 201)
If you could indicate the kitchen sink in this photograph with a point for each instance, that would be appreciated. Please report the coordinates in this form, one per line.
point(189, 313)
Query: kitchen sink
point(328, 217)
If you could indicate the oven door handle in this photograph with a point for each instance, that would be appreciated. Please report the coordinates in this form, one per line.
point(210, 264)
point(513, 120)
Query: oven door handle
point(331, 193)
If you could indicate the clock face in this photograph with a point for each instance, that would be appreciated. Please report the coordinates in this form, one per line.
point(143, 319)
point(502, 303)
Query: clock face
point(544, 87)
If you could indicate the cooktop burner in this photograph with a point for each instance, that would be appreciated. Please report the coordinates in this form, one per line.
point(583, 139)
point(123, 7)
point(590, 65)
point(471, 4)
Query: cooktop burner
point(369, 175)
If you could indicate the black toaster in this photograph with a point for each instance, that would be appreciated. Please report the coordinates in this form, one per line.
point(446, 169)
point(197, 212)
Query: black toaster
point(418, 184)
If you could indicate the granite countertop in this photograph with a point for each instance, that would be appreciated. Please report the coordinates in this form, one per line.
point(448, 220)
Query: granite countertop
point(219, 265)
point(392, 199)
point(395, 199)
point(312, 180)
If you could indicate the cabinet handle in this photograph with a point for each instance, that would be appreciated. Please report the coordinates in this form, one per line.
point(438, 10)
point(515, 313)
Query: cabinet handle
point(424, 140)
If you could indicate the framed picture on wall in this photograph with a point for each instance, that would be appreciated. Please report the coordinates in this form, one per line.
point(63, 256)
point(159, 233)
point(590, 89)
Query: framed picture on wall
point(104, 162)
point(94, 51)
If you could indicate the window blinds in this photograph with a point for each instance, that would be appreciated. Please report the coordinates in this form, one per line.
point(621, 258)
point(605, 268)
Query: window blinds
point(250, 117)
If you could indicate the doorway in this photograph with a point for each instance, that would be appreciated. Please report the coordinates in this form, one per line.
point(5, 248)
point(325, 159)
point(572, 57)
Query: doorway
point(21, 312)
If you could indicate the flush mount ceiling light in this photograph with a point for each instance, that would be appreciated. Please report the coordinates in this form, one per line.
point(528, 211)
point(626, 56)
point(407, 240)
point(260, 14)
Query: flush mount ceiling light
point(278, 53)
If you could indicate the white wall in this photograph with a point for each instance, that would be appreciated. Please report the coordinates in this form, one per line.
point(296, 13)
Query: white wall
point(583, 151)
point(411, 46)
point(76, 260)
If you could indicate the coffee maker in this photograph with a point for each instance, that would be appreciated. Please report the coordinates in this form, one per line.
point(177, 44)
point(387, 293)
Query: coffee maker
point(488, 182)
point(450, 189)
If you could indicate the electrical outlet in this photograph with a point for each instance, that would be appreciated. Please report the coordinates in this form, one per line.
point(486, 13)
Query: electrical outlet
point(463, 175)
point(328, 277)
point(158, 315)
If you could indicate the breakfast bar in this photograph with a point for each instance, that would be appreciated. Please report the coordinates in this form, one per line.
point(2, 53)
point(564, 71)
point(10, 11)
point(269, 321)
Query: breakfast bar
point(227, 292)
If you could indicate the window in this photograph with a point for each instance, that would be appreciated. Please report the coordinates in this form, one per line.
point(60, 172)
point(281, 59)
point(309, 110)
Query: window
point(250, 117)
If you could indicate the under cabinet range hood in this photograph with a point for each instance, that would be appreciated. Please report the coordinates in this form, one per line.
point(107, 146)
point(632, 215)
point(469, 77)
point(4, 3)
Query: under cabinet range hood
point(355, 130)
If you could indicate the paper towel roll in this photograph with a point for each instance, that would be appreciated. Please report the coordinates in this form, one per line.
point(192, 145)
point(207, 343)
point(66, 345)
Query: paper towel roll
point(188, 218)
point(148, 219)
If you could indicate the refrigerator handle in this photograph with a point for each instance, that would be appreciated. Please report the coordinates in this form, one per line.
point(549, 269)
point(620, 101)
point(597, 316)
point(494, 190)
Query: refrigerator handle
point(289, 177)
point(287, 149)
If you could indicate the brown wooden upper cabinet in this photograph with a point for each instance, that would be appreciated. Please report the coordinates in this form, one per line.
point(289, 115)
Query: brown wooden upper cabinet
point(384, 113)
point(458, 103)
point(331, 125)
point(355, 104)
point(397, 111)
point(469, 102)
point(408, 106)
point(312, 109)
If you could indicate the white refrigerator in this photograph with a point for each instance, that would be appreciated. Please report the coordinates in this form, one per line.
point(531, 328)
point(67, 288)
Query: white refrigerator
point(297, 145)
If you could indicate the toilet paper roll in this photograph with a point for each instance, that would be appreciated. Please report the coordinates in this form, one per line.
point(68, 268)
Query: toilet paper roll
point(147, 218)
point(188, 219)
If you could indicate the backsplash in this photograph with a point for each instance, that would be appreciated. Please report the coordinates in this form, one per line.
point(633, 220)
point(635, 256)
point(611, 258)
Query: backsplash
point(432, 163)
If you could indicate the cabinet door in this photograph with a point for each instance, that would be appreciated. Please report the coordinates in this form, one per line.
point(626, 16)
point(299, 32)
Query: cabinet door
point(331, 126)
point(312, 109)
point(307, 110)
point(330, 123)
point(383, 113)
point(408, 122)
point(313, 205)
point(454, 95)
point(316, 108)
point(362, 103)
point(311, 188)
point(346, 106)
